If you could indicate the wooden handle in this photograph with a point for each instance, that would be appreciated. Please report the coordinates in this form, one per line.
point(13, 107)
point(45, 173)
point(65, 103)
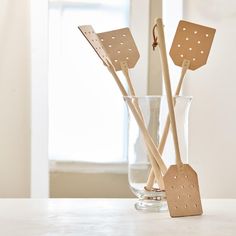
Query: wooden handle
point(125, 70)
point(151, 145)
point(162, 49)
point(157, 175)
point(151, 177)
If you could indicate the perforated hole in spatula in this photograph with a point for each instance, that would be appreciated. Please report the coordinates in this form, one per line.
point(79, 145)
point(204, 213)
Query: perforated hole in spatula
point(93, 39)
point(120, 46)
point(192, 42)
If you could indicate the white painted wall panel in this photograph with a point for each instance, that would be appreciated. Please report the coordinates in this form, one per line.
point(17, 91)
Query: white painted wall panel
point(213, 112)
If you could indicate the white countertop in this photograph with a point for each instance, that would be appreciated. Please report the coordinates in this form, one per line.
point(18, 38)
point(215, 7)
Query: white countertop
point(33, 217)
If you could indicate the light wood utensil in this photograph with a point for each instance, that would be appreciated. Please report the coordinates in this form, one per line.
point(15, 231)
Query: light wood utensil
point(181, 182)
point(120, 46)
point(97, 45)
point(123, 52)
point(190, 50)
point(191, 42)
point(151, 177)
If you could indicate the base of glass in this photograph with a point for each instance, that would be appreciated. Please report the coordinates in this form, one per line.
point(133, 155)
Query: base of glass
point(151, 205)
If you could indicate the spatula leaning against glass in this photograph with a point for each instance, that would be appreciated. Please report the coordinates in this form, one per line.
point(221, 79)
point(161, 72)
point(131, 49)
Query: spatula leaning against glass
point(190, 50)
point(114, 60)
point(180, 180)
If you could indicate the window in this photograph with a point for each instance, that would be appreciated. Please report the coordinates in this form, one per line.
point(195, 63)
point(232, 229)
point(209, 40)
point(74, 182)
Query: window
point(86, 111)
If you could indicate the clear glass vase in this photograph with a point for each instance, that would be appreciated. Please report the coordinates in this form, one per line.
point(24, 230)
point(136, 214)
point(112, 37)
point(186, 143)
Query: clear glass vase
point(154, 110)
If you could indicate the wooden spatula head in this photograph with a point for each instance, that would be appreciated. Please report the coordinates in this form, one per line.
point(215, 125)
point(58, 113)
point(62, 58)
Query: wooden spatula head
point(192, 42)
point(93, 39)
point(182, 191)
point(120, 46)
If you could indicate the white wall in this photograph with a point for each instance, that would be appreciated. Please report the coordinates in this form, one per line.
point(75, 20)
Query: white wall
point(213, 112)
point(39, 98)
point(14, 99)
point(140, 30)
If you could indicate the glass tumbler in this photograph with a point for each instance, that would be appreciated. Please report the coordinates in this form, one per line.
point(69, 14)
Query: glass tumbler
point(154, 111)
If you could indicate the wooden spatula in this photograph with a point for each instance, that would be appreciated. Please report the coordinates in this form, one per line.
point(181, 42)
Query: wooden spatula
point(123, 52)
point(190, 50)
point(97, 45)
point(181, 182)
point(121, 49)
point(191, 42)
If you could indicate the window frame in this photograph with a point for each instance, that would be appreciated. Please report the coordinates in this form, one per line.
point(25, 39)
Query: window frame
point(39, 98)
point(60, 149)
point(39, 87)
point(141, 85)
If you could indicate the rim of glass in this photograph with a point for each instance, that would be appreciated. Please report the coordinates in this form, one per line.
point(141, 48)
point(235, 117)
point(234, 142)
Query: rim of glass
point(157, 96)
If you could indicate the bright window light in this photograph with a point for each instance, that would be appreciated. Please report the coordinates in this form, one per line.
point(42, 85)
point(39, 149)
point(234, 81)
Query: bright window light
point(86, 110)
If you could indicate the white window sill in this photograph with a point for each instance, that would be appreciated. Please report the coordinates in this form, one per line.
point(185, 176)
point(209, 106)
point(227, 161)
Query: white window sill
point(88, 167)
